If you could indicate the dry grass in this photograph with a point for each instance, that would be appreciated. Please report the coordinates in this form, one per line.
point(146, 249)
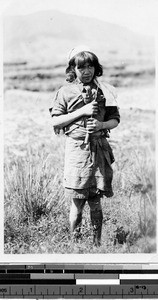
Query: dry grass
point(36, 214)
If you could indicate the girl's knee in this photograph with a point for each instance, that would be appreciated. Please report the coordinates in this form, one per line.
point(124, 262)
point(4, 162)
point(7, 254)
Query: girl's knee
point(75, 216)
point(76, 209)
point(96, 216)
point(78, 204)
point(95, 204)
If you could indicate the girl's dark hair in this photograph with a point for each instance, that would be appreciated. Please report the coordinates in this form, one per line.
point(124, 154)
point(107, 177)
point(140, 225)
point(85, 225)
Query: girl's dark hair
point(80, 60)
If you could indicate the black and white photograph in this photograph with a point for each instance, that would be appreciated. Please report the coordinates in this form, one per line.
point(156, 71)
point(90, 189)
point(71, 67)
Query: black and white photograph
point(79, 127)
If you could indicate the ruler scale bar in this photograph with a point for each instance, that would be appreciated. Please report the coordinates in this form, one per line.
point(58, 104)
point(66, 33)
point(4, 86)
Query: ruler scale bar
point(70, 281)
point(74, 290)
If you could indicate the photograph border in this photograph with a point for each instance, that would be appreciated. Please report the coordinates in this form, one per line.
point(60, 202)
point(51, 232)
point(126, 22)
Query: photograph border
point(67, 258)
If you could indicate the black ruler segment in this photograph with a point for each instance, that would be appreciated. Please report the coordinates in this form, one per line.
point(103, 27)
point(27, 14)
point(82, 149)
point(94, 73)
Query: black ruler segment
point(75, 271)
point(139, 281)
point(12, 266)
point(34, 271)
point(54, 271)
point(37, 281)
point(139, 271)
point(14, 276)
point(15, 271)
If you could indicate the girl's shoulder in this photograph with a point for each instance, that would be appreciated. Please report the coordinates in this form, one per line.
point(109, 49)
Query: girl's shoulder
point(109, 93)
point(68, 86)
point(68, 91)
point(108, 88)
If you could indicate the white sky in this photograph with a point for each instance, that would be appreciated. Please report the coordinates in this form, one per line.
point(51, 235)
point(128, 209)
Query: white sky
point(138, 15)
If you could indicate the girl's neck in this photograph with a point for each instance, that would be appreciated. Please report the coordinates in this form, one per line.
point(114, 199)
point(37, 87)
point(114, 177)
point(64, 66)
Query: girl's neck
point(90, 84)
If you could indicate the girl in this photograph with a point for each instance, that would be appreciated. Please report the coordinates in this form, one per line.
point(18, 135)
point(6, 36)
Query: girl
point(86, 110)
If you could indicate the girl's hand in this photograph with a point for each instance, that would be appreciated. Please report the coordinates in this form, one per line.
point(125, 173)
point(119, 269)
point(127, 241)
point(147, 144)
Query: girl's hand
point(93, 125)
point(90, 109)
point(58, 130)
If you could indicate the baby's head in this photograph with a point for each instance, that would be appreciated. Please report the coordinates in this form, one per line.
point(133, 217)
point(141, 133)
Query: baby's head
point(83, 64)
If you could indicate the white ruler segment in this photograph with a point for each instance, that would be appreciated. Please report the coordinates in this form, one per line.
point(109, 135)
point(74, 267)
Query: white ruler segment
point(138, 276)
point(97, 281)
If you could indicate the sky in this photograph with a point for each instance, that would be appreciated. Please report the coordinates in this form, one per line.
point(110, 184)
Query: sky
point(137, 15)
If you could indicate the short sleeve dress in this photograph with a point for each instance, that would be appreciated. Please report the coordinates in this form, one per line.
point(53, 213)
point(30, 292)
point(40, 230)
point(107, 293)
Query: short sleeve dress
point(87, 167)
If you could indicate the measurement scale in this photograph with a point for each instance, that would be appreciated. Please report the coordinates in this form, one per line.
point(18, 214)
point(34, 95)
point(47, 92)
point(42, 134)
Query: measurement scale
point(80, 281)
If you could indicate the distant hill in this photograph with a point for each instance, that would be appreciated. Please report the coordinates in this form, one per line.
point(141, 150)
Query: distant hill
point(46, 37)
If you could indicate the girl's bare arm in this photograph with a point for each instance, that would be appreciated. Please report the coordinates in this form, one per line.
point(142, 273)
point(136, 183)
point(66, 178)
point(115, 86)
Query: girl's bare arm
point(110, 124)
point(66, 119)
point(95, 125)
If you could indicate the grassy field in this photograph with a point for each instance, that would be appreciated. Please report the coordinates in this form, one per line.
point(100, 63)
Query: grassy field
point(36, 213)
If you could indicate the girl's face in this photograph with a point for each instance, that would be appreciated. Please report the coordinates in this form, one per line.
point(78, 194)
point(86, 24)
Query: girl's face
point(85, 73)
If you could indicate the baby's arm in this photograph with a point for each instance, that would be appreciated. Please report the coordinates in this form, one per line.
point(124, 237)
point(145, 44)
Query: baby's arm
point(65, 119)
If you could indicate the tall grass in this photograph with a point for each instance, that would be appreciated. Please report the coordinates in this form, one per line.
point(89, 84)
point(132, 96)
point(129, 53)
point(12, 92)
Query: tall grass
point(32, 196)
point(36, 213)
point(136, 188)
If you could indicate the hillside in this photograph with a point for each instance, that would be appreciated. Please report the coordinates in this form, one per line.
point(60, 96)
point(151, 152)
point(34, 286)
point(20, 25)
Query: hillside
point(46, 37)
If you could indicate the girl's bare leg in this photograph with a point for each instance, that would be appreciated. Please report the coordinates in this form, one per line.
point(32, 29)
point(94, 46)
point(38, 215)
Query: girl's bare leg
point(96, 218)
point(75, 217)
